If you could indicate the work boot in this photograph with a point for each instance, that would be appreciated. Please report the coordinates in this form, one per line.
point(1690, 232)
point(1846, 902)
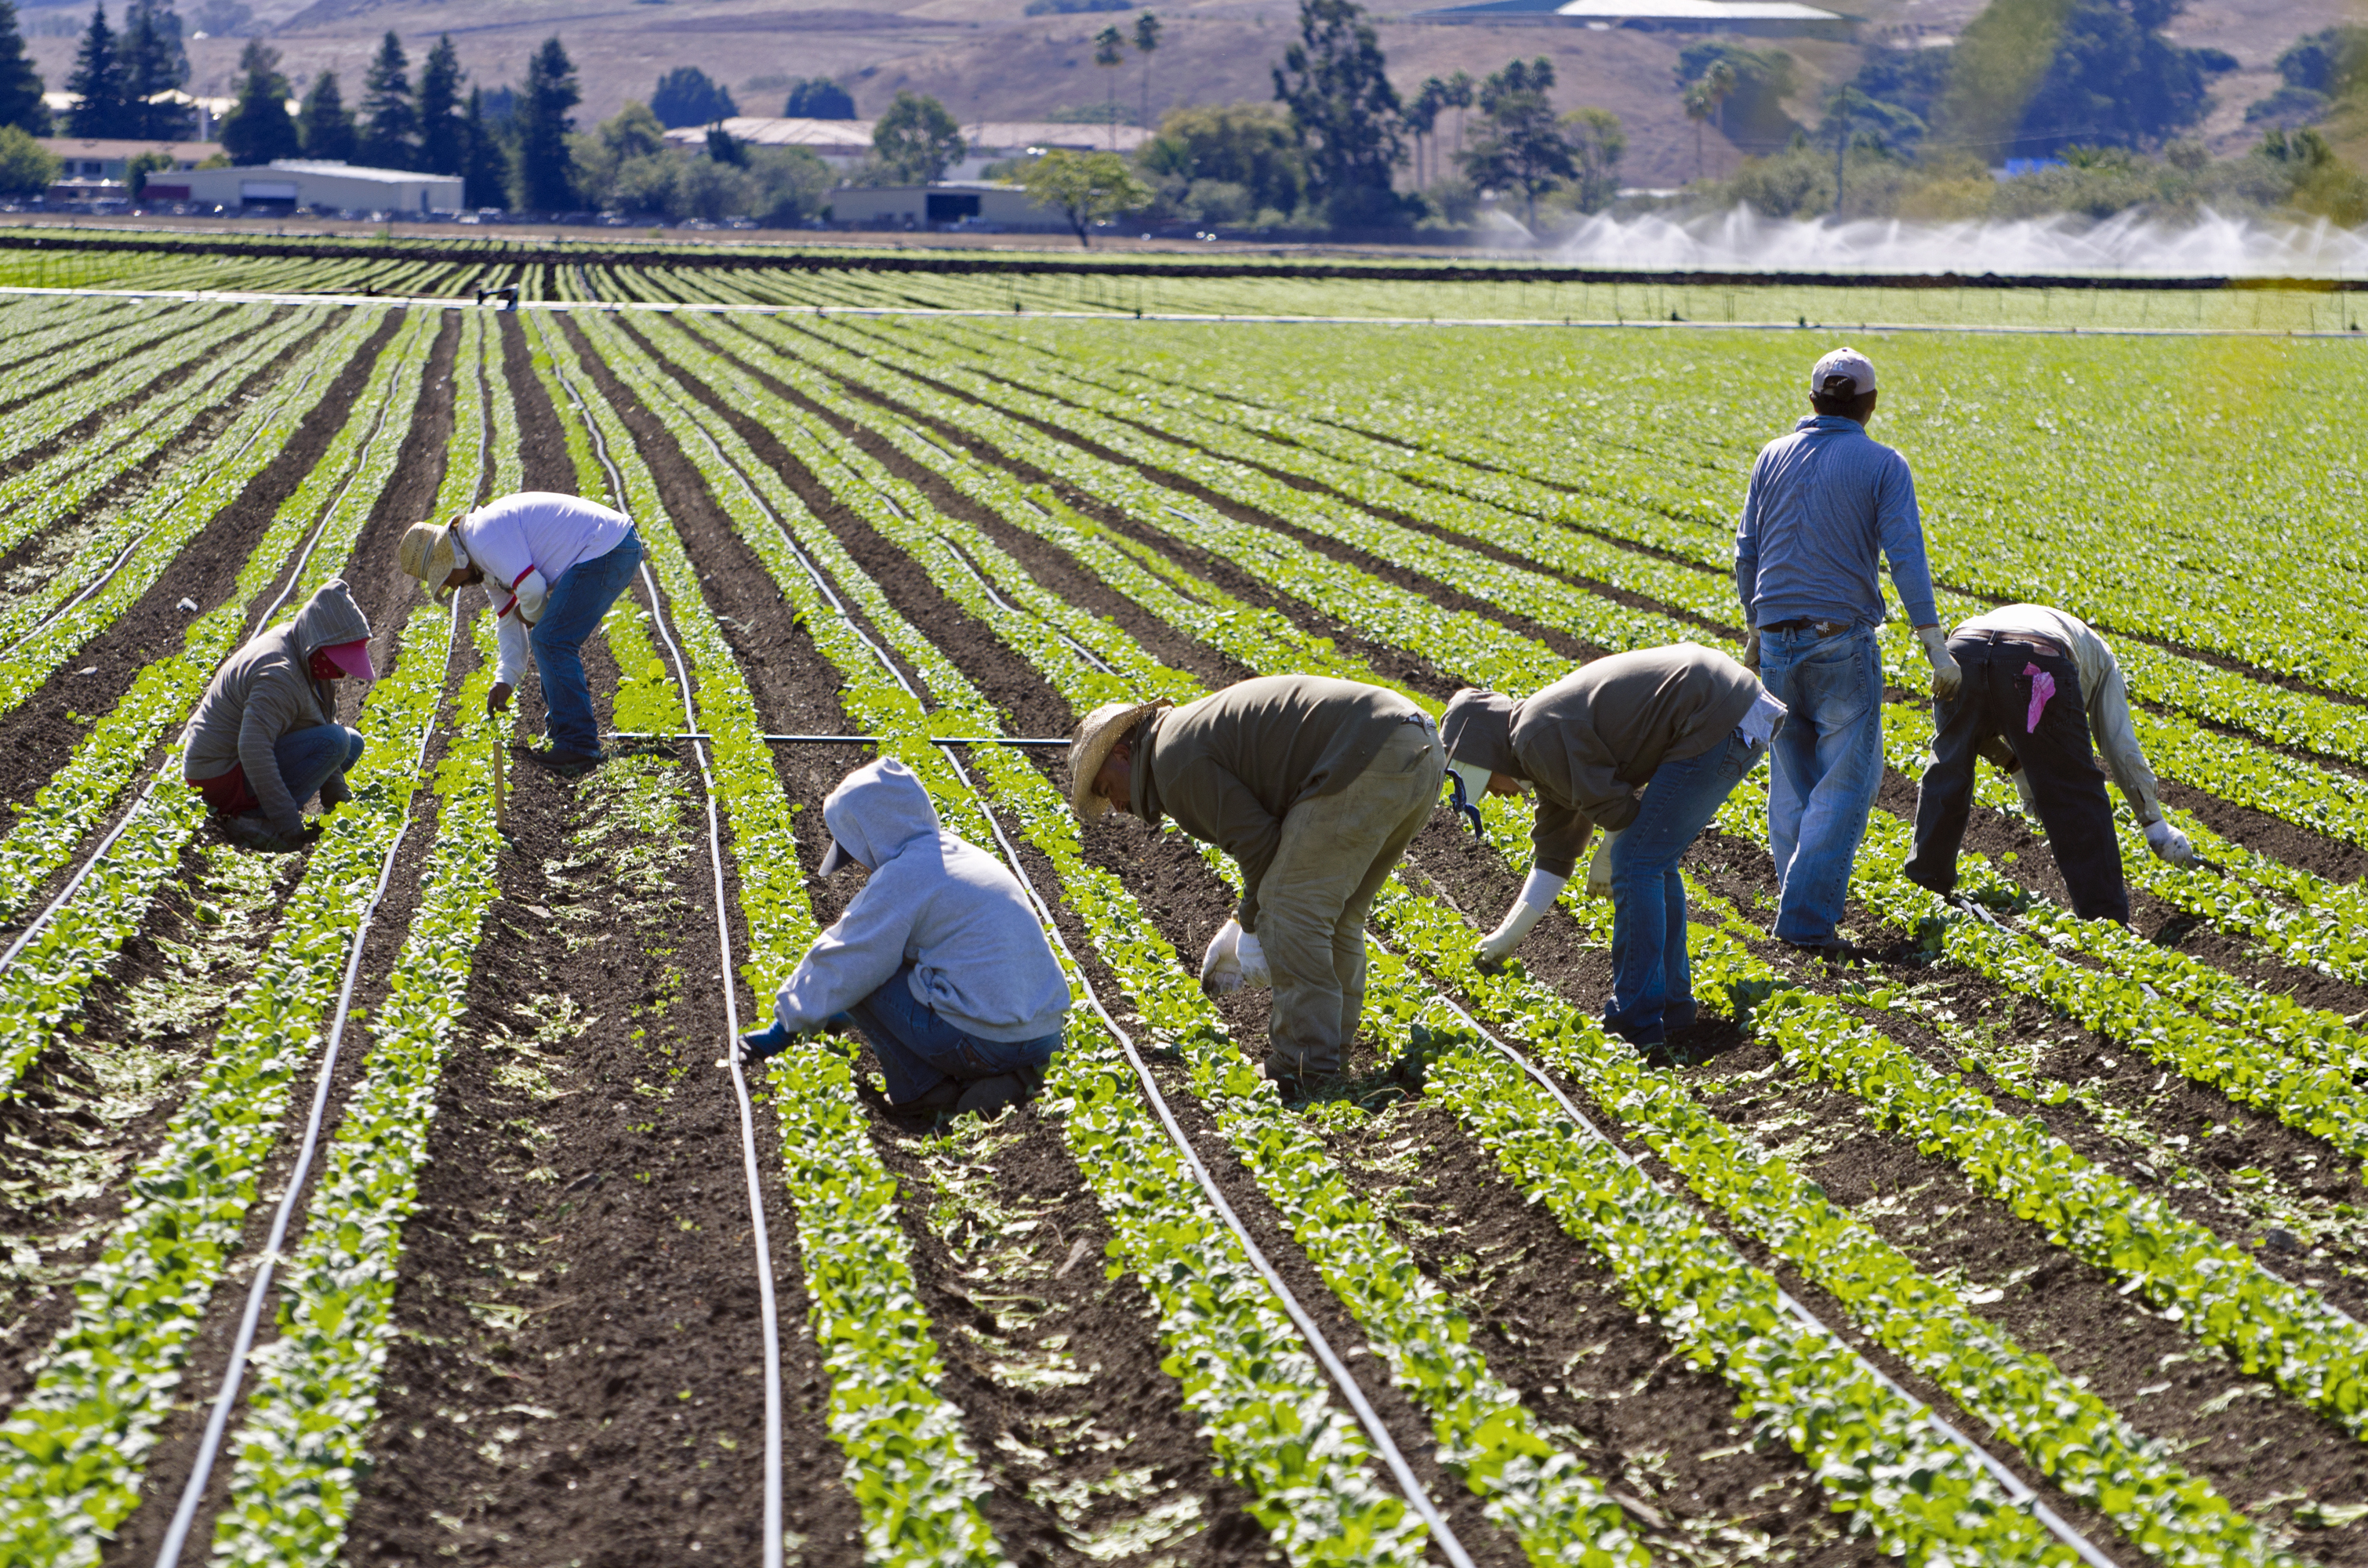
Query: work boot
point(990, 1097)
point(934, 1100)
point(249, 831)
point(566, 764)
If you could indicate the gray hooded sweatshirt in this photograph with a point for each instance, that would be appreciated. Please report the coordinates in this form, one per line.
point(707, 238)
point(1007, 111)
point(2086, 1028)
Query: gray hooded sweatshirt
point(266, 690)
point(980, 960)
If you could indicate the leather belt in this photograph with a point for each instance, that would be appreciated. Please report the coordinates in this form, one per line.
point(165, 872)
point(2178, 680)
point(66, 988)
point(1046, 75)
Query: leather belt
point(1822, 628)
point(2030, 640)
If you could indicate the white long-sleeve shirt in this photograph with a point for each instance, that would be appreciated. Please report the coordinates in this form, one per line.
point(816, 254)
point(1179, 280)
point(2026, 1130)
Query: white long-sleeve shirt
point(2103, 692)
point(524, 543)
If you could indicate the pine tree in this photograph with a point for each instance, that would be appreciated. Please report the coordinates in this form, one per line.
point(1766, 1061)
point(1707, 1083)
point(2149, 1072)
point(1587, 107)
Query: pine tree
point(440, 129)
point(326, 130)
point(543, 185)
point(387, 120)
point(484, 165)
point(152, 61)
point(97, 84)
point(20, 85)
point(258, 129)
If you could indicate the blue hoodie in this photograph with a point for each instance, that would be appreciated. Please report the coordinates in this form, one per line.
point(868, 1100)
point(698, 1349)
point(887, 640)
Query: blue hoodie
point(980, 960)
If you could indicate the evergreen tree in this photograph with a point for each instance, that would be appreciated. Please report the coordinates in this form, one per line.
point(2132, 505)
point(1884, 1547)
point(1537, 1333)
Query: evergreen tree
point(324, 125)
point(20, 85)
point(484, 166)
point(542, 124)
point(97, 84)
point(440, 135)
point(1343, 110)
point(819, 97)
point(259, 130)
point(387, 119)
point(152, 61)
point(686, 96)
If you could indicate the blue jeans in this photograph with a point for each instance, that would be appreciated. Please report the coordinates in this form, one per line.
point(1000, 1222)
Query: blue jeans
point(578, 600)
point(310, 758)
point(1652, 979)
point(1826, 766)
point(918, 1049)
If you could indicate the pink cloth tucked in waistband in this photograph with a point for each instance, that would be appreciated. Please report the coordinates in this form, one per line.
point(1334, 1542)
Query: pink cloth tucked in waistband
point(2042, 686)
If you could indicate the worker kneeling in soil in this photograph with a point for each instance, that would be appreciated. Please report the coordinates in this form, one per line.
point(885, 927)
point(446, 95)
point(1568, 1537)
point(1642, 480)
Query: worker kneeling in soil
point(1316, 787)
point(1646, 746)
point(2039, 688)
point(265, 736)
point(939, 959)
point(551, 565)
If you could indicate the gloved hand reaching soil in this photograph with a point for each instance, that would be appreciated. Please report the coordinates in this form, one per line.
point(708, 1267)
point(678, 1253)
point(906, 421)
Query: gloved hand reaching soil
point(1234, 960)
point(756, 1045)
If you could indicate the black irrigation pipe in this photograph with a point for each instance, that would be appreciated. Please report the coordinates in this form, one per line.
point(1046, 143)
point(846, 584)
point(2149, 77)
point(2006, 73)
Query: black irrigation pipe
point(1418, 1497)
point(713, 258)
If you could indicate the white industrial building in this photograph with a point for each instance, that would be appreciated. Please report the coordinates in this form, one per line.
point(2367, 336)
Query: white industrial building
point(972, 203)
point(843, 144)
point(298, 185)
point(1776, 18)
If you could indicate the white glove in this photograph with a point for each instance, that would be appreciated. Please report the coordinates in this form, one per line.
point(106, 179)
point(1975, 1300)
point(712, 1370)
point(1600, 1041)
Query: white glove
point(1598, 870)
point(1751, 648)
point(1220, 966)
point(1538, 893)
point(1255, 974)
point(2169, 845)
point(1946, 677)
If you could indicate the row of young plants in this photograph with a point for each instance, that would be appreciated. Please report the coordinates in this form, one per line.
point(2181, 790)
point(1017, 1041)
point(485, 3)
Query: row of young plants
point(73, 1452)
point(34, 328)
point(1262, 1132)
point(2141, 1524)
point(66, 485)
point(1537, 1490)
point(179, 504)
point(45, 987)
point(1268, 1408)
point(70, 385)
point(915, 1480)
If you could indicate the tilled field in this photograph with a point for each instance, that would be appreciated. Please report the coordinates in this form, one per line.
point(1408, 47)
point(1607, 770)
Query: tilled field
point(2021, 1241)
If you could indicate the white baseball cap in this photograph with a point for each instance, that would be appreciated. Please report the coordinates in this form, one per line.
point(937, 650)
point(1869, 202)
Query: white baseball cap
point(1848, 362)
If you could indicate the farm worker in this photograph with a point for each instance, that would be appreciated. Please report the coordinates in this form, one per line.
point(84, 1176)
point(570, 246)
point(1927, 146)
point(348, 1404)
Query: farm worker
point(940, 957)
point(1316, 787)
point(264, 738)
point(1646, 746)
point(2039, 687)
point(551, 565)
point(1822, 501)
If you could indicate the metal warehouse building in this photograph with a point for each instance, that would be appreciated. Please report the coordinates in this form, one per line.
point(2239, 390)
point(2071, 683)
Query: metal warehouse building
point(296, 183)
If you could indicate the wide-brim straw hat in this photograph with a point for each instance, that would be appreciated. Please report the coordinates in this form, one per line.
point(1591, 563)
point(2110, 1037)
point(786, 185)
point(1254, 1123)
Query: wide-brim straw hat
point(1097, 733)
point(430, 553)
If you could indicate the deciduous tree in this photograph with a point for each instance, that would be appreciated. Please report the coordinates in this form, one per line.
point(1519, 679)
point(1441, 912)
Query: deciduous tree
point(917, 139)
point(1343, 111)
point(688, 96)
point(1085, 187)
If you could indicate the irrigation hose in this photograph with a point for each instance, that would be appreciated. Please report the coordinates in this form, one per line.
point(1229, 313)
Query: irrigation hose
point(1418, 1497)
point(771, 1550)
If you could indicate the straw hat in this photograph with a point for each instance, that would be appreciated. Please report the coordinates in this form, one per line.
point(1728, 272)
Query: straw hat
point(432, 553)
point(1096, 736)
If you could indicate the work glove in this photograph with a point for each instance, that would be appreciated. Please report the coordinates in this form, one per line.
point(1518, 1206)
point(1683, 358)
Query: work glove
point(1751, 648)
point(1947, 678)
point(1234, 960)
point(759, 1044)
point(1538, 894)
point(1598, 870)
point(2030, 796)
point(2169, 845)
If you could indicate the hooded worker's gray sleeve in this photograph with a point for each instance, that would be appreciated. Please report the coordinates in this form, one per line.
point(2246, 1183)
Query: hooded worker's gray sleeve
point(258, 753)
point(859, 953)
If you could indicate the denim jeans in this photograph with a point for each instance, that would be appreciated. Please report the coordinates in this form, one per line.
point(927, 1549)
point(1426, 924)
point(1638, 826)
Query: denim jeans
point(308, 760)
point(918, 1049)
point(578, 600)
point(1825, 767)
point(1652, 979)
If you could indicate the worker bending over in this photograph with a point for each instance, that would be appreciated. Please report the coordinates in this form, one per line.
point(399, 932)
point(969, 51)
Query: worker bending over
point(2039, 687)
point(1823, 502)
point(551, 565)
point(939, 959)
point(1316, 787)
point(264, 738)
point(1644, 746)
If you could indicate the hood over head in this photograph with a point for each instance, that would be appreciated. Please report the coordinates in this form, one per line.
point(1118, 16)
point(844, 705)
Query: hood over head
point(1477, 727)
point(329, 617)
point(877, 810)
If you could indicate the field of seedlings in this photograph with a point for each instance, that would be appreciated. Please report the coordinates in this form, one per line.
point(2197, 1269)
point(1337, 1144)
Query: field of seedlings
point(401, 1201)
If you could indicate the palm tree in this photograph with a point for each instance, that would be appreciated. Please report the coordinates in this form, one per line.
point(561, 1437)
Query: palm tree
point(1146, 39)
point(1110, 53)
point(1702, 100)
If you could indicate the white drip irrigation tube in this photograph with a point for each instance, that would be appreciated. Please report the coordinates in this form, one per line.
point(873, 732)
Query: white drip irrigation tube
point(40, 922)
point(771, 1550)
point(1336, 1370)
point(2014, 1485)
point(218, 1421)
